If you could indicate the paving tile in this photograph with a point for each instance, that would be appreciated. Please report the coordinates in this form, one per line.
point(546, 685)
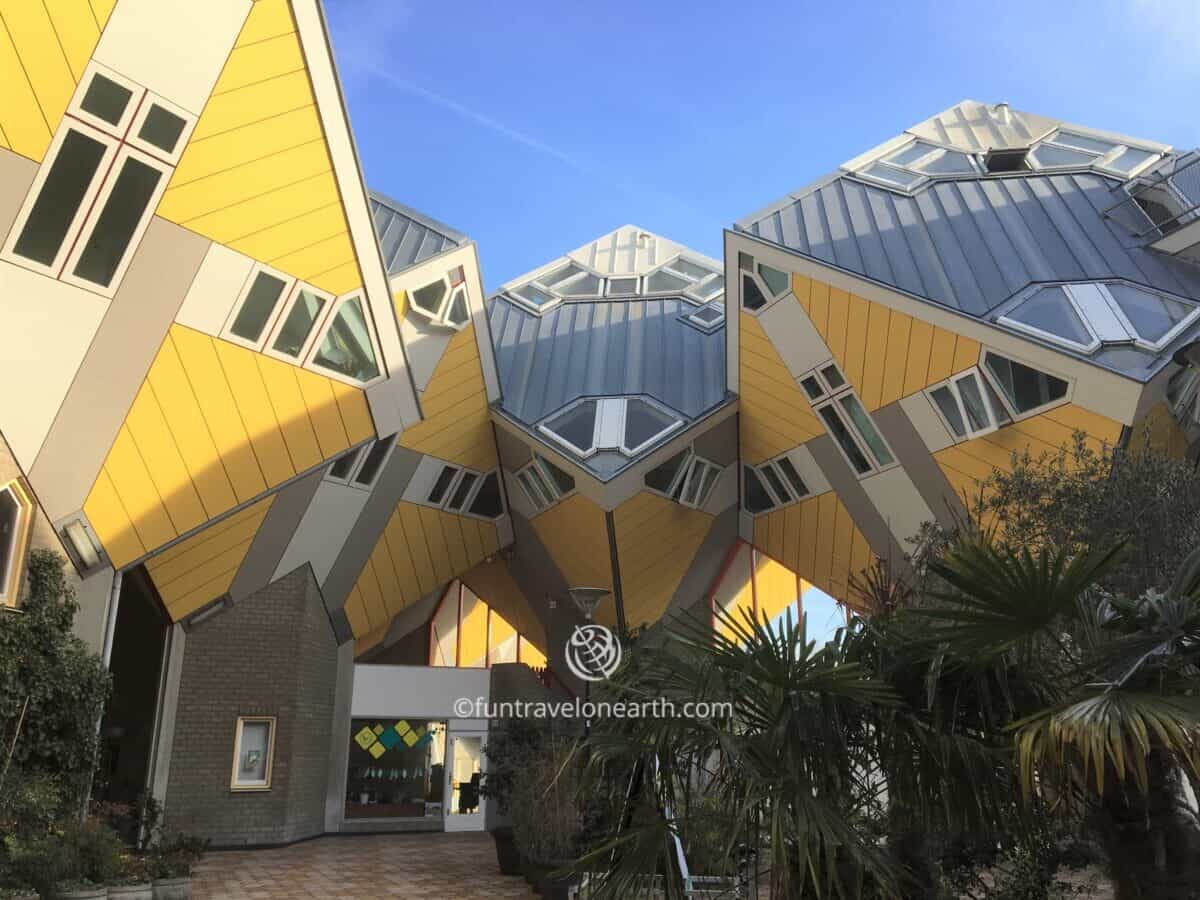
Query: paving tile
point(362, 867)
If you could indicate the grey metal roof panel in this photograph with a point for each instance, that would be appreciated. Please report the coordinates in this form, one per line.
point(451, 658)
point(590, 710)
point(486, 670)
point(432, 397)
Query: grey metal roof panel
point(605, 348)
point(408, 237)
point(970, 244)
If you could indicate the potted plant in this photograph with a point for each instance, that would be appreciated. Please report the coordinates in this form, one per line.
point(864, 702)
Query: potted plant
point(546, 820)
point(510, 745)
point(132, 880)
point(170, 863)
point(18, 893)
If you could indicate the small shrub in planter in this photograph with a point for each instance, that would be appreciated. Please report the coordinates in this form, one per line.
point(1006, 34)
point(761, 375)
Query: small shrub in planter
point(80, 890)
point(18, 893)
point(133, 882)
point(170, 864)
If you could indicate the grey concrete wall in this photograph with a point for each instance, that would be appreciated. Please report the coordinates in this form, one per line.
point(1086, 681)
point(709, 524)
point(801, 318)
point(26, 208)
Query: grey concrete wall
point(273, 654)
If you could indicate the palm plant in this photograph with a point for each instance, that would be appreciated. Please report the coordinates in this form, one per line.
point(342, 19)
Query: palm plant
point(1100, 694)
point(784, 784)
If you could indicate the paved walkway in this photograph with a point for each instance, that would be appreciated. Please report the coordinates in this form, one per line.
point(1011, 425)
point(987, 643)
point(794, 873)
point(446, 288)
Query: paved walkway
point(362, 867)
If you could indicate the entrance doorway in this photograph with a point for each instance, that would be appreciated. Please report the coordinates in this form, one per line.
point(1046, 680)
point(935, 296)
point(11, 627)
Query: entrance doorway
point(464, 769)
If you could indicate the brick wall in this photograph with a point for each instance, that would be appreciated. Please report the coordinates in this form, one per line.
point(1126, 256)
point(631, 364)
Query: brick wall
point(272, 654)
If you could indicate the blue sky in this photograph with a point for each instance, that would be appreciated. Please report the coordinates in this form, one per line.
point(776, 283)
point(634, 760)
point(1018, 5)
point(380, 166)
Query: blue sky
point(537, 126)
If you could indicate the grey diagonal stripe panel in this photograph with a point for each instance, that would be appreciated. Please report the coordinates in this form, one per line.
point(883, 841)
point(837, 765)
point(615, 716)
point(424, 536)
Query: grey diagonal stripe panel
point(274, 535)
point(866, 517)
point(369, 526)
point(919, 463)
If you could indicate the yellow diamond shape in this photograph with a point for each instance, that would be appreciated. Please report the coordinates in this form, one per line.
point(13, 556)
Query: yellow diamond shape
point(365, 738)
point(377, 750)
point(378, 729)
point(410, 738)
point(403, 728)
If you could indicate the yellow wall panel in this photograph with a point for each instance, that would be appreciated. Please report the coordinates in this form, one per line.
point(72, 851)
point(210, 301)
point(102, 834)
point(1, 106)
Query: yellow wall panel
point(356, 616)
point(77, 32)
point(372, 597)
point(775, 416)
point(895, 367)
point(823, 546)
point(256, 175)
point(214, 425)
point(854, 356)
point(941, 355)
point(111, 523)
point(1159, 429)
point(22, 124)
point(178, 403)
point(197, 352)
point(657, 540)
point(256, 413)
point(283, 390)
point(156, 445)
point(875, 356)
point(200, 569)
point(776, 587)
point(575, 535)
point(920, 347)
point(269, 18)
point(819, 309)
point(457, 426)
point(41, 56)
point(323, 413)
point(102, 9)
point(413, 537)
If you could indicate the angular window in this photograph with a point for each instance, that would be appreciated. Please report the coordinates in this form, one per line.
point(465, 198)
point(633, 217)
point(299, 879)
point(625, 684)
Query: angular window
point(701, 477)
point(443, 302)
point(441, 487)
point(59, 201)
point(257, 307)
point(663, 282)
point(696, 281)
point(622, 286)
point(1071, 150)
point(1026, 389)
point(462, 491)
point(544, 483)
point(253, 754)
point(488, 502)
point(892, 176)
point(298, 323)
point(106, 100)
point(585, 285)
point(777, 282)
point(969, 405)
point(372, 464)
point(1152, 316)
point(866, 430)
point(15, 519)
point(813, 388)
point(754, 496)
point(753, 297)
point(920, 158)
point(644, 424)
point(707, 318)
point(833, 377)
point(347, 347)
point(344, 465)
point(667, 476)
point(81, 206)
point(785, 466)
point(774, 482)
point(1051, 311)
point(576, 427)
point(841, 434)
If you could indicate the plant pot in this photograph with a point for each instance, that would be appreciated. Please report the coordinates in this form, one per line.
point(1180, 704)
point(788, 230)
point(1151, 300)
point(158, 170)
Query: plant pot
point(507, 854)
point(534, 872)
point(16, 894)
point(131, 891)
point(557, 887)
point(91, 893)
point(173, 888)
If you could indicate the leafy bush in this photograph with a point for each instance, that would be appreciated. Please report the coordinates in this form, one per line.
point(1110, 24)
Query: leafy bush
point(174, 856)
point(52, 687)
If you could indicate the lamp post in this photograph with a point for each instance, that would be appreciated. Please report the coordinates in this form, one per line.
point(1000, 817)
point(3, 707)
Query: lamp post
point(586, 600)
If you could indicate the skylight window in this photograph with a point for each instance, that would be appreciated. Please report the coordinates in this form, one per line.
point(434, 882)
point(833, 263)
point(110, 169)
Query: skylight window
point(912, 165)
point(1087, 315)
point(1072, 150)
point(443, 302)
point(568, 281)
point(707, 318)
point(628, 425)
point(696, 281)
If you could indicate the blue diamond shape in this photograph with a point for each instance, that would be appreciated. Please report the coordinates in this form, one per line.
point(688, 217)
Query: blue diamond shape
point(389, 739)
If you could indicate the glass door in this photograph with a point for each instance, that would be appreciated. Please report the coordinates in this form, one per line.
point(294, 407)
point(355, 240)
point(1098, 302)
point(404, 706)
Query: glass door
point(464, 768)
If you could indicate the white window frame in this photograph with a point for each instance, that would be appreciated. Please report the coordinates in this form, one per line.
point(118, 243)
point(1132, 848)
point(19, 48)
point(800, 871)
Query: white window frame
point(754, 275)
point(1101, 161)
point(291, 296)
point(1008, 405)
point(121, 143)
point(747, 467)
point(475, 489)
point(693, 289)
point(543, 500)
point(833, 399)
point(360, 453)
point(1182, 391)
point(323, 327)
point(557, 297)
point(637, 286)
point(692, 318)
point(10, 587)
point(441, 316)
point(290, 285)
point(77, 531)
point(235, 782)
point(790, 496)
point(608, 428)
point(1081, 306)
point(990, 395)
point(690, 472)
